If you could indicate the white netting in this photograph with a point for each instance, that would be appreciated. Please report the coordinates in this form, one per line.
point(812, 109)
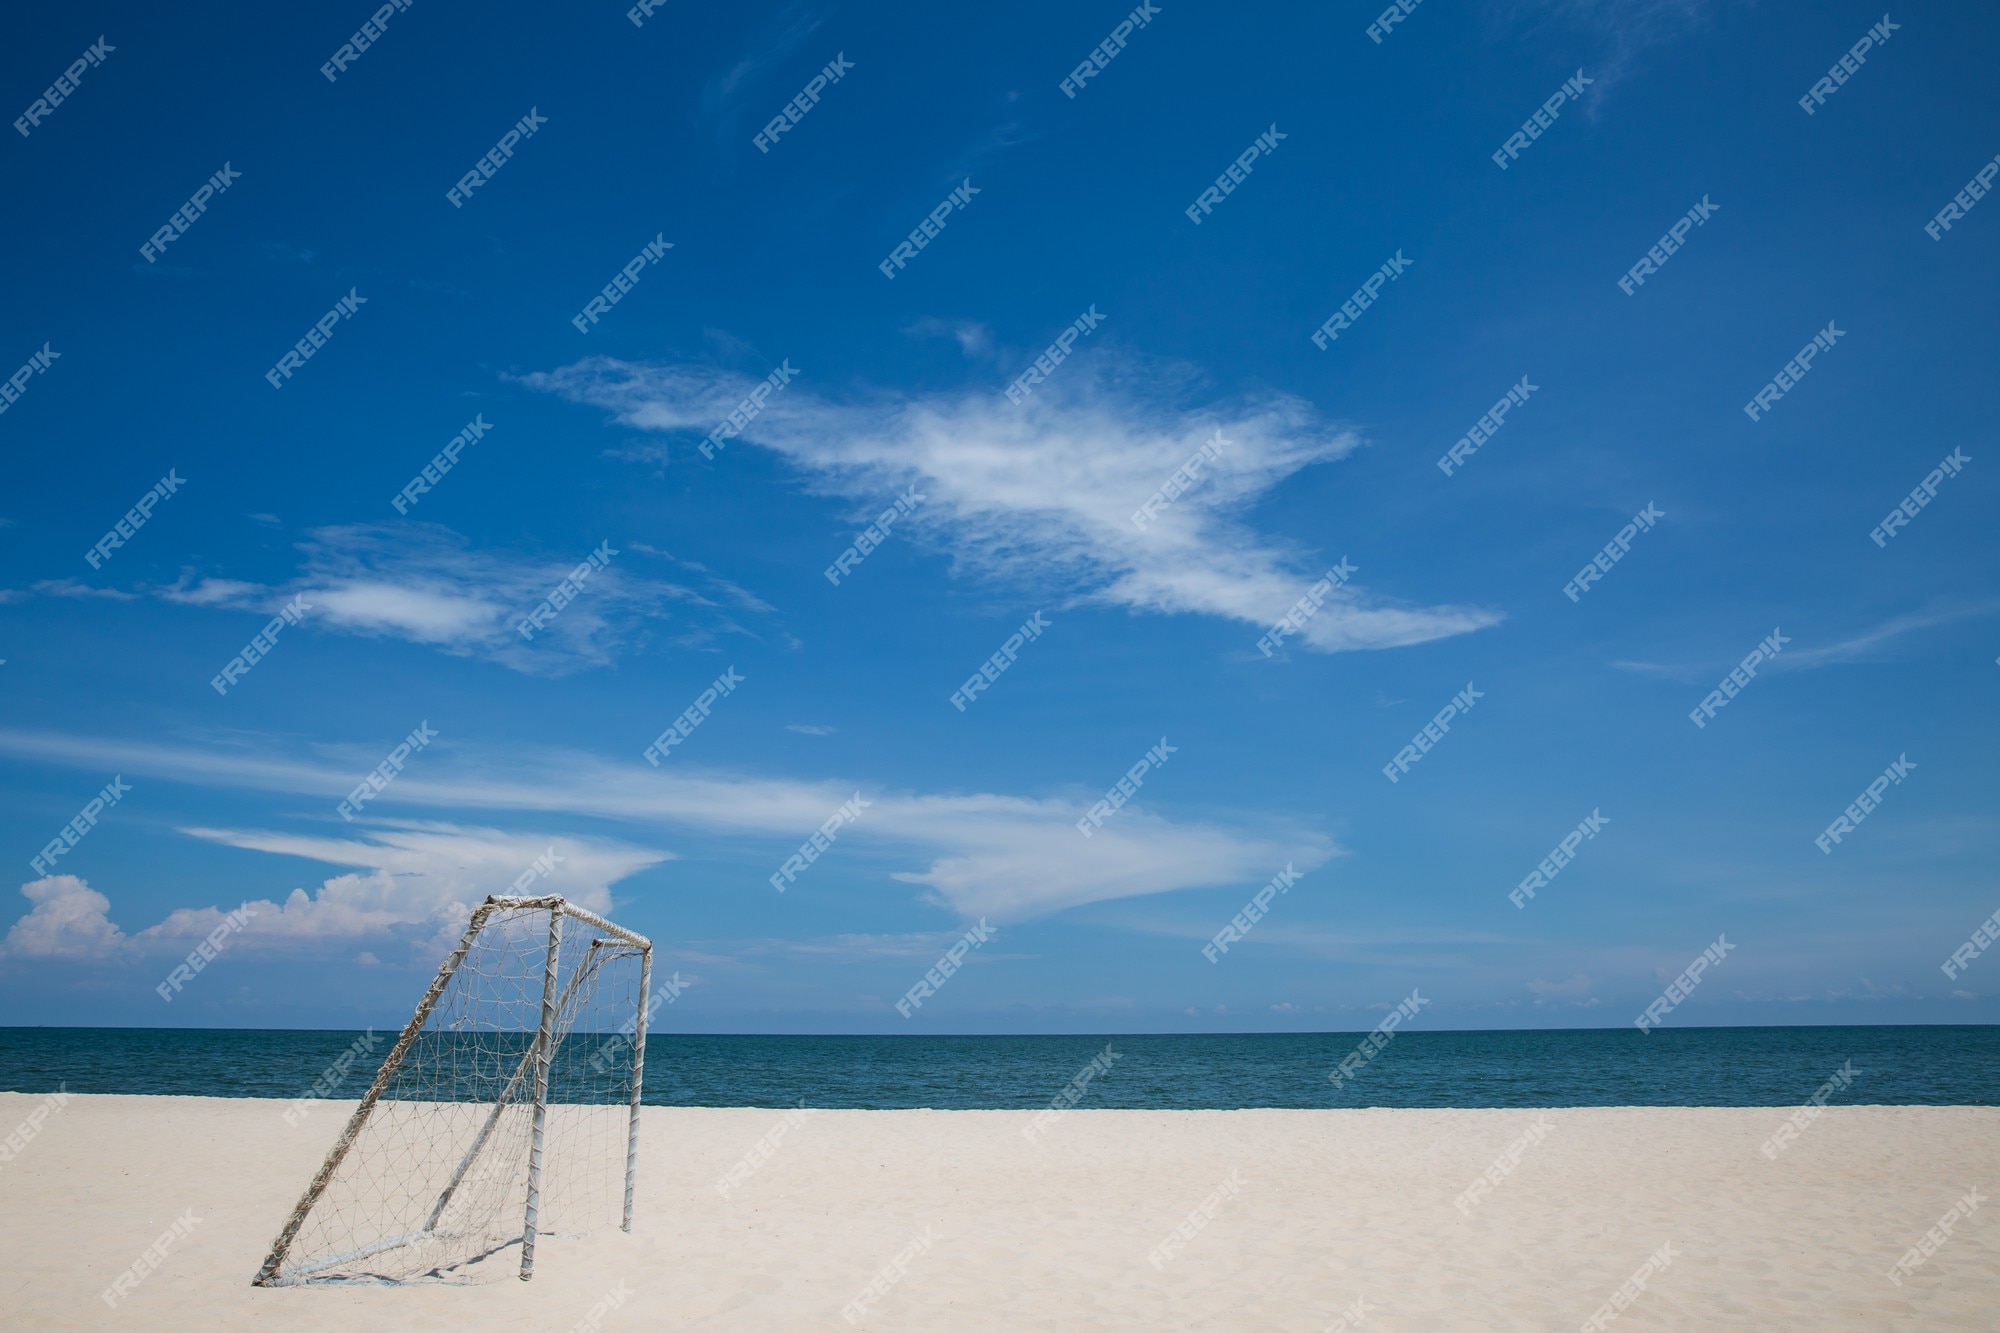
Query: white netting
point(436, 1178)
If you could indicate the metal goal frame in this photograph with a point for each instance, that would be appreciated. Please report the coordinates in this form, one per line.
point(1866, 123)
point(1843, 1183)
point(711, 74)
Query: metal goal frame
point(534, 1062)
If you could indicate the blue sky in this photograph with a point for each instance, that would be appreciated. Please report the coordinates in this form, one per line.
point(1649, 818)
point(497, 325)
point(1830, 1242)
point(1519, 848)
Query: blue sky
point(465, 314)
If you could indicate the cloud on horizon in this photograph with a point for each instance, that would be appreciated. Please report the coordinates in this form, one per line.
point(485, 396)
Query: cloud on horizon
point(421, 883)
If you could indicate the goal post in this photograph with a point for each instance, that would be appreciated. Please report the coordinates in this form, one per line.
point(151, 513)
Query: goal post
point(492, 1121)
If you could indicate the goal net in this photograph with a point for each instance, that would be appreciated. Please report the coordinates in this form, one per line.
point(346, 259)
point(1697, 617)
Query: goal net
point(507, 1111)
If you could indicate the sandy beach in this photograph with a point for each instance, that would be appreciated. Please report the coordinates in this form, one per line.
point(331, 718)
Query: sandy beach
point(1259, 1219)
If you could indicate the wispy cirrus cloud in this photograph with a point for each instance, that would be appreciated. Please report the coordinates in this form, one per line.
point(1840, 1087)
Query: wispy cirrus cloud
point(982, 853)
point(973, 338)
point(426, 584)
point(1044, 492)
point(774, 42)
point(78, 589)
point(1620, 31)
point(1878, 643)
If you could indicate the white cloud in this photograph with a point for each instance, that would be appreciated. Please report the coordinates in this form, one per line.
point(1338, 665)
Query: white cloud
point(423, 583)
point(69, 920)
point(1576, 991)
point(1021, 859)
point(1044, 492)
point(973, 338)
point(1012, 857)
point(1870, 645)
point(421, 883)
point(775, 40)
point(76, 588)
point(1621, 31)
point(1873, 644)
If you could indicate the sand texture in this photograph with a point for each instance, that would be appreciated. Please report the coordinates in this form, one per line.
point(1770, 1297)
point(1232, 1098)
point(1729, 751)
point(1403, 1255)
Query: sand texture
point(1288, 1217)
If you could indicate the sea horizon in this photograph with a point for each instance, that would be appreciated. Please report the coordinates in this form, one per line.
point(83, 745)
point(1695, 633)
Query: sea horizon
point(1884, 1064)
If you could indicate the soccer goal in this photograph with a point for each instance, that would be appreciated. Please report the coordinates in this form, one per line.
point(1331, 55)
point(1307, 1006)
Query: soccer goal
point(501, 1116)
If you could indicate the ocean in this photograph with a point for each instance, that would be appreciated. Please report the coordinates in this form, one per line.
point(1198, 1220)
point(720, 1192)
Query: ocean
point(1744, 1066)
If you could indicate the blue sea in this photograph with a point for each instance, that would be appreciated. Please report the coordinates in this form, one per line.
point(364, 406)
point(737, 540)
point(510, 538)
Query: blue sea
point(1743, 1066)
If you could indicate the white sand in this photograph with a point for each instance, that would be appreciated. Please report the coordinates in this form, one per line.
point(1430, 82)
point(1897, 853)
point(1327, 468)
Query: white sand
point(1334, 1207)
